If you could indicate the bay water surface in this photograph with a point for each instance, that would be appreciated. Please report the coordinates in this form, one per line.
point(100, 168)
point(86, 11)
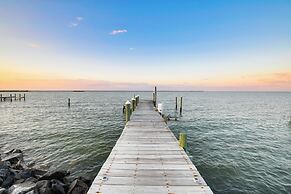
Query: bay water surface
point(239, 141)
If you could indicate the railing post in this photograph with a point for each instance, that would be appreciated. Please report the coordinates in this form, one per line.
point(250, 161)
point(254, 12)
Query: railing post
point(127, 111)
point(183, 140)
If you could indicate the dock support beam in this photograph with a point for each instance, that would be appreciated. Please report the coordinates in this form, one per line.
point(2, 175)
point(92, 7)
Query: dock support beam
point(183, 140)
point(127, 111)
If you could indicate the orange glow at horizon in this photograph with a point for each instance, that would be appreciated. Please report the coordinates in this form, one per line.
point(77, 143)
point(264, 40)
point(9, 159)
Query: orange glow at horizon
point(13, 80)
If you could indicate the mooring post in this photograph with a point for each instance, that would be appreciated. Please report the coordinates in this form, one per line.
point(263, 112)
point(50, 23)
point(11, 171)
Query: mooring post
point(127, 111)
point(10, 97)
point(69, 102)
point(156, 96)
point(181, 105)
point(176, 104)
point(15, 97)
point(133, 104)
point(24, 97)
point(183, 140)
point(1, 97)
point(137, 99)
point(19, 97)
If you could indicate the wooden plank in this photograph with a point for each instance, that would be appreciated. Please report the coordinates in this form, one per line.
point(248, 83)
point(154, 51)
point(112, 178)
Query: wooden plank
point(147, 159)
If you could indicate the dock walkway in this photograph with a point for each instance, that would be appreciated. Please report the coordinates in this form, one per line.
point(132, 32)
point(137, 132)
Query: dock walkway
point(147, 159)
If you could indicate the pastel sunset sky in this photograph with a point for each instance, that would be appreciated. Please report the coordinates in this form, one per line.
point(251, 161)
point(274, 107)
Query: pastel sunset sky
point(133, 45)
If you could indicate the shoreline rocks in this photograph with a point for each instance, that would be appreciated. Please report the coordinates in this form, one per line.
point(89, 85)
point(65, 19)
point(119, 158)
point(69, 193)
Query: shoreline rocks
point(18, 177)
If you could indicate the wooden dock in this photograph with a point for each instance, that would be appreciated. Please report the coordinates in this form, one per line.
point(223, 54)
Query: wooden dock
point(147, 159)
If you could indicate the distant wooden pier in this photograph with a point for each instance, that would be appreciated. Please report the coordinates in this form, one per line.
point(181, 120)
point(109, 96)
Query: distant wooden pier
point(12, 97)
point(147, 159)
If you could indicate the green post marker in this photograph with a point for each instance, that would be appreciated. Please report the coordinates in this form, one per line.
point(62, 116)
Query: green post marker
point(127, 111)
point(183, 140)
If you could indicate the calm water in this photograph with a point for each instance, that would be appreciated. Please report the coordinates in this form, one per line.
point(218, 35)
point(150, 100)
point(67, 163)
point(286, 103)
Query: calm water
point(240, 142)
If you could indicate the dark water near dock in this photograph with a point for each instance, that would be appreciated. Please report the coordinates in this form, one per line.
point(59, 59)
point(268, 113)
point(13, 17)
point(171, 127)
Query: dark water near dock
point(239, 141)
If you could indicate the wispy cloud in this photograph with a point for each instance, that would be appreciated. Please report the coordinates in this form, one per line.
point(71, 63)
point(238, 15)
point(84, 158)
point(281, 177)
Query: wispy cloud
point(33, 45)
point(79, 18)
point(72, 25)
point(115, 32)
point(76, 22)
point(131, 48)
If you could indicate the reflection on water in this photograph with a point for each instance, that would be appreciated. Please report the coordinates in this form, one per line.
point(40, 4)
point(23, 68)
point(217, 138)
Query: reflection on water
point(240, 142)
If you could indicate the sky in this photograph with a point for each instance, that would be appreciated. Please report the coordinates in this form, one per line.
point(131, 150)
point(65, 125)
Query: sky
point(224, 45)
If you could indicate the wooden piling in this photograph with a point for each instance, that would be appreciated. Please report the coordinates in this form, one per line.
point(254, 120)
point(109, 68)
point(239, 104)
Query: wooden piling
point(10, 97)
point(19, 97)
point(133, 104)
point(181, 105)
point(69, 102)
point(1, 97)
point(127, 111)
point(155, 99)
point(24, 97)
point(183, 140)
point(176, 108)
point(137, 99)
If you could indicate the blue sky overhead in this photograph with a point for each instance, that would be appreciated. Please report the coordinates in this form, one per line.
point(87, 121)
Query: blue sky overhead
point(211, 45)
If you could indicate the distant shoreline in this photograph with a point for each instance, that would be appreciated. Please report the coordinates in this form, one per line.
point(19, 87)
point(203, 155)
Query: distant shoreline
point(135, 91)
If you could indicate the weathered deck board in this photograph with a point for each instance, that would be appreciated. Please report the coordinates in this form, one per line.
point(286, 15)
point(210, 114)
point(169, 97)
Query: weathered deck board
point(147, 159)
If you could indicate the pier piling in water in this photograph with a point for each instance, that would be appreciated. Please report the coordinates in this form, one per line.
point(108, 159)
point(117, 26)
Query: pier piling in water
point(69, 102)
point(0, 97)
point(181, 105)
point(176, 107)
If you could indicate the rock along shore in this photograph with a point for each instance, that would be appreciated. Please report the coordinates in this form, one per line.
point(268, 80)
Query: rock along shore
point(19, 177)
